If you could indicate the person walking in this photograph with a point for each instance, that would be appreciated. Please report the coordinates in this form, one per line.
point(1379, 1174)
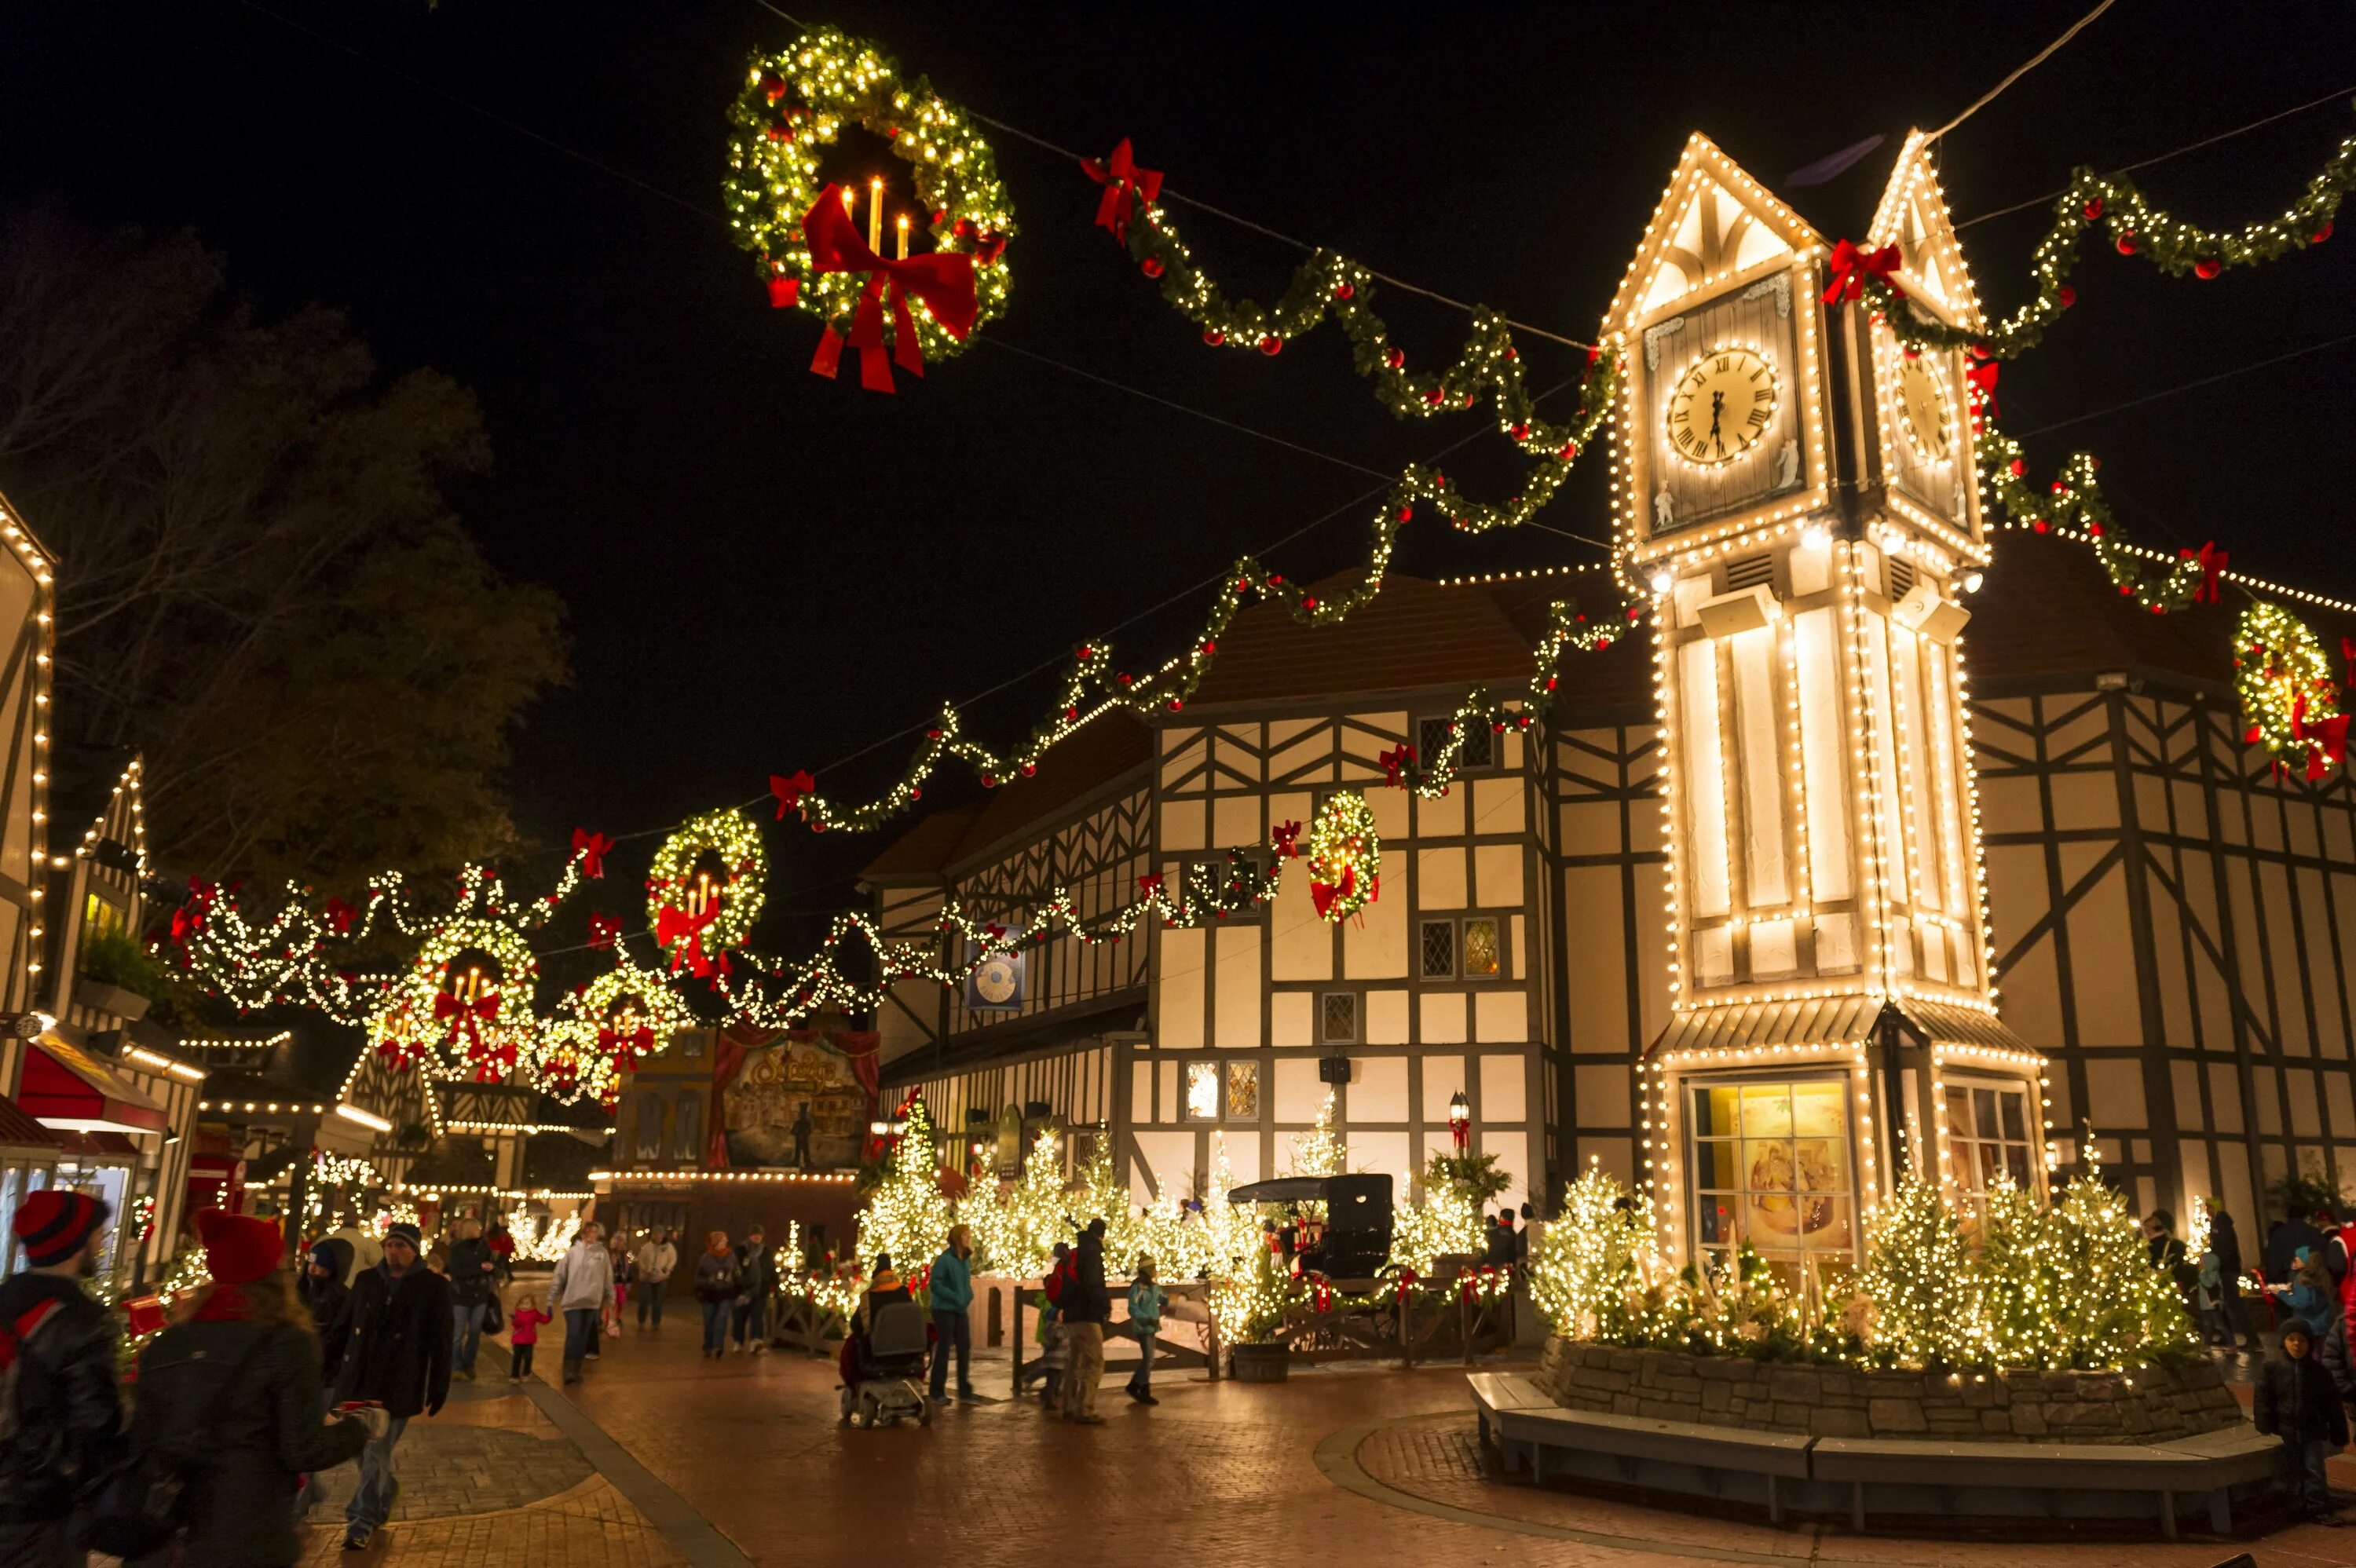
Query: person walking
point(582, 1284)
point(619, 1256)
point(757, 1278)
point(1146, 1300)
point(952, 1293)
point(231, 1410)
point(523, 1335)
point(367, 1251)
point(321, 1289)
point(657, 1261)
point(716, 1285)
point(61, 1428)
point(1049, 1336)
point(2232, 1310)
point(1086, 1308)
point(2295, 1401)
point(471, 1268)
point(398, 1356)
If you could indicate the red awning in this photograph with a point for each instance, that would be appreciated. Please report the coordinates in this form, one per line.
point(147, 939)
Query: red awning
point(21, 1136)
point(99, 1149)
point(67, 1088)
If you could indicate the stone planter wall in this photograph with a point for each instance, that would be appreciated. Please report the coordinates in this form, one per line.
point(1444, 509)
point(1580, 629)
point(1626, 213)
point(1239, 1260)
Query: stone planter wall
point(2152, 1406)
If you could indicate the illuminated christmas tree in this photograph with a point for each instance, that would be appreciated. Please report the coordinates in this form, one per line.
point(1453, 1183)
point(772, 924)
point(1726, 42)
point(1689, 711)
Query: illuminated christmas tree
point(907, 1214)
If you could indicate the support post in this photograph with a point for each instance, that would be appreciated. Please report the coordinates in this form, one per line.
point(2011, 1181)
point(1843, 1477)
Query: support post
point(1016, 1347)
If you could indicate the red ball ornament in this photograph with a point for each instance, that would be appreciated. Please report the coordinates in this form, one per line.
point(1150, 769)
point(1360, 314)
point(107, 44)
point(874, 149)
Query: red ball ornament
point(1271, 346)
point(1432, 395)
point(989, 781)
point(2128, 244)
point(2320, 235)
point(2127, 590)
point(1521, 432)
point(1214, 336)
point(2068, 296)
point(1150, 266)
point(2207, 266)
point(2095, 531)
point(2019, 468)
point(1407, 514)
point(1343, 290)
point(2037, 524)
point(1308, 602)
point(2093, 209)
point(1569, 449)
point(1029, 768)
point(1394, 357)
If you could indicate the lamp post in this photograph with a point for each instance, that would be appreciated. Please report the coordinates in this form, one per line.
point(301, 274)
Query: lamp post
point(1460, 1119)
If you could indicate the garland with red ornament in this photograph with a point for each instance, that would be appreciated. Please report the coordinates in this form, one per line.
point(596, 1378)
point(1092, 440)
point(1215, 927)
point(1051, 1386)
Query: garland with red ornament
point(2289, 696)
point(2074, 498)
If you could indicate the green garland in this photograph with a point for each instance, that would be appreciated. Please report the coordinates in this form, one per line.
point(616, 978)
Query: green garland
point(2075, 499)
point(732, 837)
point(415, 1021)
point(796, 102)
point(2136, 228)
point(2289, 696)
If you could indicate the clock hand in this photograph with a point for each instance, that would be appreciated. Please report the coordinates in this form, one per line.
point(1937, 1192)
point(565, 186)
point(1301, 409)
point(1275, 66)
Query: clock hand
point(1716, 410)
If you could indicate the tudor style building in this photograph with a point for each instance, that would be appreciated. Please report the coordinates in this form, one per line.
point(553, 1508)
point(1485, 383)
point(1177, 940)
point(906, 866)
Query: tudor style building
point(1769, 904)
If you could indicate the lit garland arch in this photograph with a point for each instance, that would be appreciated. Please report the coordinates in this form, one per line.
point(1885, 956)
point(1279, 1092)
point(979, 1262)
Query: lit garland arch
point(478, 1025)
point(697, 921)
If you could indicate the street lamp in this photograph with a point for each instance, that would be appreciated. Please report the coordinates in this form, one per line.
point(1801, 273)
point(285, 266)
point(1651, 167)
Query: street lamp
point(1459, 1118)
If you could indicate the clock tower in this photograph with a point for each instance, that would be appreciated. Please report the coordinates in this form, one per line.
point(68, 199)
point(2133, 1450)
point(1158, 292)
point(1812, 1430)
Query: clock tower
point(1796, 494)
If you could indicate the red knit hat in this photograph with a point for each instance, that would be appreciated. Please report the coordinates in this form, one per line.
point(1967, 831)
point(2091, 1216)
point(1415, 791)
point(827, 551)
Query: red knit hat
point(238, 1248)
point(54, 1223)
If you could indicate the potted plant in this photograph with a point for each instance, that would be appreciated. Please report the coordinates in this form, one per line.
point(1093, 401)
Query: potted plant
point(118, 976)
point(1252, 1313)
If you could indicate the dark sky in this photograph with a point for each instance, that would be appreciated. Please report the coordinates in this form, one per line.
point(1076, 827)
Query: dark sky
point(768, 571)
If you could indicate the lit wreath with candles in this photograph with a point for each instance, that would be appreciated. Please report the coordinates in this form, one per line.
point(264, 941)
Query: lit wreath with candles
point(795, 104)
point(614, 1022)
point(468, 1022)
point(698, 916)
point(2288, 693)
point(1346, 857)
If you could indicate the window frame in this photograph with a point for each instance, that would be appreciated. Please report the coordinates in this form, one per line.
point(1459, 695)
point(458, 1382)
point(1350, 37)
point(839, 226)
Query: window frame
point(2032, 1143)
point(1424, 752)
point(1187, 1114)
point(1852, 1194)
point(1357, 1018)
point(1424, 924)
point(1496, 922)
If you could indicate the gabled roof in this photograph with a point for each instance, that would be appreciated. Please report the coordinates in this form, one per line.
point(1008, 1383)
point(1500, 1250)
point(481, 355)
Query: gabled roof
point(1913, 217)
point(1416, 633)
point(1097, 754)
point(1714, 221)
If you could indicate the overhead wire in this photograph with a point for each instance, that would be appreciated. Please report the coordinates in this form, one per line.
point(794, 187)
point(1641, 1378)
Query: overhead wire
point(2039, 58)
point(2187, 386)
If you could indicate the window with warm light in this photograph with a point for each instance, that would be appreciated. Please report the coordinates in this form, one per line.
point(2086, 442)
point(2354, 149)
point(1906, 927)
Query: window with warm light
point(1243, 1091)
point(1479, 955)
point(1990, 1134)
point(1202, 1091)
point(1772, 1166)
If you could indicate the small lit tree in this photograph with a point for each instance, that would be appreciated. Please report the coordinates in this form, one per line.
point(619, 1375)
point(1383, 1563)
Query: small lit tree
point(1921, 1278)
point(1588, 1273)
point(907, 1214)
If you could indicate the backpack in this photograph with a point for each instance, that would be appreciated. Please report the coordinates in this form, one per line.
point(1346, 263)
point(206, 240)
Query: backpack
point(13, 1337)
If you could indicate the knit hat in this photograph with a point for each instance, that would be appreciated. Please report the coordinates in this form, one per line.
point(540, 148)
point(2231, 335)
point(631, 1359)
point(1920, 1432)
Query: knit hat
point(53, 1225)
point(405, 1231)
point(238, 1248)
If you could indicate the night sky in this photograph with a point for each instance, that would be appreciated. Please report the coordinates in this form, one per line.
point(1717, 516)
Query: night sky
point(767, 570)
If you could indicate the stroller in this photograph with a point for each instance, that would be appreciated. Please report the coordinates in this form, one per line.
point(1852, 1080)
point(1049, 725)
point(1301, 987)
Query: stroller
point(890, 1361)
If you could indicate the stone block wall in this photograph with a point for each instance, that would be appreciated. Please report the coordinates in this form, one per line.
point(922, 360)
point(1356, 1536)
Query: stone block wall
point(2155, 1405)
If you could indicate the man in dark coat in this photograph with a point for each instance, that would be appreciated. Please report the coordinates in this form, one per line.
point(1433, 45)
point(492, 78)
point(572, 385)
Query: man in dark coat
point(62, 1429)
point(399, 1357)
point(2295, 1401)
point(2225, 1241)
point(472, 1265)
point(756, 1272)
point(1086, 1308)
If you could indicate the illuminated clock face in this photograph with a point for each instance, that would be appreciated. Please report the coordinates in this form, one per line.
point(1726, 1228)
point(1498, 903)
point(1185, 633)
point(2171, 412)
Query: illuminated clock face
point(994, 981)
point(1924, 403)
point(1719, 408)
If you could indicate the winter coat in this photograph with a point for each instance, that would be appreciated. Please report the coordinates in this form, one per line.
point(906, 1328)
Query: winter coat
point(717, 1278)
point(398, 1352)
point(262, 1430)
point(471, 1262)
point(2315, 1307)
point(2296, 1402)
point(757, 1268)
point(585, 1278)
point(1085, 1298)
point(329, 1300)
point(64, 1424)
point(951, 1283)
point(523, 1325)
point(2331, 1349)
point(657, 1261)
point(1145, 1299)
point(2226, 1246)
point(367, 1252)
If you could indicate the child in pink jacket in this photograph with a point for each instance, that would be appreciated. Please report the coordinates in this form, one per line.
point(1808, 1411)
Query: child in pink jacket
point(524, 1338)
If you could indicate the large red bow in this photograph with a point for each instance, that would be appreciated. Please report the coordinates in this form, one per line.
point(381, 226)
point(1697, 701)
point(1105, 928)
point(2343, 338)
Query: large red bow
point(628, 1047)
point(1287, 839)
point(465, 1019)
point(1850, 267)
point(2212, 566)
point(789, 790)
point(942, 279)
point(683, 933)
point(1322, 894)
point(604, 930)
point(1126, 183)
point(1982, 379)
point(1395, 762)
point(592, 848)
point(340, 916)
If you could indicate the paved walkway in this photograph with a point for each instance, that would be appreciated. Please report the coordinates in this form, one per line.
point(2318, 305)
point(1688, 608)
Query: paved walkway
point(661, 1457)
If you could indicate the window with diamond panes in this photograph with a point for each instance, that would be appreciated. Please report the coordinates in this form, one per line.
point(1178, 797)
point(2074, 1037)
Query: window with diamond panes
point(1339, 1017)
point(1431, 739)
point(1243, 1091)
point(1480, 956)
point(1439, 949)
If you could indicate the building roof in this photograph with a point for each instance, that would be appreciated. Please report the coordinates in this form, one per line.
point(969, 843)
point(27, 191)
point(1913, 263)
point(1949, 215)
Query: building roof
point(1415, 633)
point(1101, 753)
point(21, 1135)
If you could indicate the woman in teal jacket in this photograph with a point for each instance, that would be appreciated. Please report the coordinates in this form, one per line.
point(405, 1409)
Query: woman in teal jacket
point(1145, 1300)
point(951, 1285)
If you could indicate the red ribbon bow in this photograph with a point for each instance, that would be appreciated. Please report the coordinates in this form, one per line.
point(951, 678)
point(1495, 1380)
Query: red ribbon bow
point(1322, 894)
point(604, 930)
point(1126, 183)
point(340, 916)
point(465, 1020)
point(626, 1048)
point(592, 848)
point(1850, 267)
point(1461, 1130)
point(2327, 746)
point(1286, 840)
point(942, 279)
point(1150, 883)
point(2213, 566)
point(1395, 762)
point(1982, 380)
point(683, 933)
point(789, 790)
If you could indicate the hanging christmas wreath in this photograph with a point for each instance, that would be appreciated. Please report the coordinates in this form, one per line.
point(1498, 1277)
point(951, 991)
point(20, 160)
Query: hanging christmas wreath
point(614, 1022)
point(2288, 696)
point(805, 231)
point(471, 1024)
point(1346, 857)
point(698, 916)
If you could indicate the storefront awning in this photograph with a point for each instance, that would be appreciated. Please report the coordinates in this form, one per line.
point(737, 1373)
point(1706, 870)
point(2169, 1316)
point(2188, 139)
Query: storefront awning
point(67, 1088)
point(98, 1148)
point(1822, 1021)
point(21, 1137)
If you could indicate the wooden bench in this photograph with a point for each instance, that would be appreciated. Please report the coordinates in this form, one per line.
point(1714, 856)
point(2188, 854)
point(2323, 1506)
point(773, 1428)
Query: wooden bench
point(1527, 1426)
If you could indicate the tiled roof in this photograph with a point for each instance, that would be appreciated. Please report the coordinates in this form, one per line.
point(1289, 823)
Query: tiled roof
point(1415, 633)
point(1116, 744)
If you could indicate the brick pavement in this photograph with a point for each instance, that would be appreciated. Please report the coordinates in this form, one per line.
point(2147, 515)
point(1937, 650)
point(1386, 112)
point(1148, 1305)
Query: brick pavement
point(1352, 1463)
